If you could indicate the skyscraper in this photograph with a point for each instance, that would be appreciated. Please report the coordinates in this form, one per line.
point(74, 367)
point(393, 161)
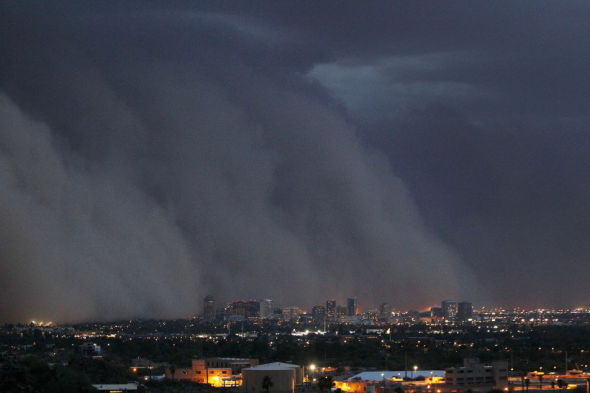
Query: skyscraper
point(331, 309)
point(465, 311)
point(244, 308)
point(265, 308)
point(351, 306)
point(209, 308)
point(318, 313)
point(449, 309)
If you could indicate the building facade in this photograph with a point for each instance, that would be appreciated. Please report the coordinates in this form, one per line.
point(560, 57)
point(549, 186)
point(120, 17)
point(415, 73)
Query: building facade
point(218, 372)
point(351, 306)
point(464, 311)
point(478, 376)
point(285, 377)
point(266, 309)
point(209, 308)
point(449, 309)
point(331, 309)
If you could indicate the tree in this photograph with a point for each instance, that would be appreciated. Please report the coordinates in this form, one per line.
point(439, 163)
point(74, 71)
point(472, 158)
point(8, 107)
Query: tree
point(325, 382)
point(266, 383)
point(579, 389)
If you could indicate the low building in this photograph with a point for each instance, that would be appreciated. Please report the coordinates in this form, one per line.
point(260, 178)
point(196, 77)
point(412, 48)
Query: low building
point(476, 376)
point(217, 372)
point(373, 381)
point(116, 388)
point(284, 376)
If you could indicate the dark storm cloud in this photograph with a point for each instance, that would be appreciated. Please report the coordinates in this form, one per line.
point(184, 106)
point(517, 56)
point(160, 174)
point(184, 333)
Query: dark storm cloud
point(154, 154)
point(489, 129)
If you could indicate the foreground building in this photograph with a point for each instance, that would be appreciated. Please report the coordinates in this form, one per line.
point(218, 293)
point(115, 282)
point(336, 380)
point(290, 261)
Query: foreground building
point(477, 376)
point(284, 376)
point(217, 372)
point(116, 388)
point(411, 381)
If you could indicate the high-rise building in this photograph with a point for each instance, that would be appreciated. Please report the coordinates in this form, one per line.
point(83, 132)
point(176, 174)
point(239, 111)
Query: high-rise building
point(244, 308)
point(436, 312)
point(385, 309)
point(351, 306)
point(266, 308)
point(209, 308)
point(291, 313)
point(331, 309)
point(464, 311)
point(318, 313)
point(449, 309)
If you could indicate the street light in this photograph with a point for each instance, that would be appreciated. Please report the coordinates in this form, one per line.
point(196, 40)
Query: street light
point(311, 369)
point(414, 373)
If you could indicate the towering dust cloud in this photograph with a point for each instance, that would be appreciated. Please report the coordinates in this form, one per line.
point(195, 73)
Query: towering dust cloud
point(150, 158)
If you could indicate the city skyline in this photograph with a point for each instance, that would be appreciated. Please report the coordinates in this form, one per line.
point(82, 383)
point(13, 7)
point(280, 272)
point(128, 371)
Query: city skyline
point(155, 153)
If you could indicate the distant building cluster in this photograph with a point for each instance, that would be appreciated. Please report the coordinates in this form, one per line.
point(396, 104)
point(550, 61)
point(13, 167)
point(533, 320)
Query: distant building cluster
point(330, 312)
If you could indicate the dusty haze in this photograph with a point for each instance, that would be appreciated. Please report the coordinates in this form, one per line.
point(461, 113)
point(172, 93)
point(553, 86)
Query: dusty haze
point(151, 156)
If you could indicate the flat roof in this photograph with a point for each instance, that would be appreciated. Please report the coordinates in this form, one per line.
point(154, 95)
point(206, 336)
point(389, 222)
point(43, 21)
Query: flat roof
point(381, 375)
point(119, 386)
point(274, 366)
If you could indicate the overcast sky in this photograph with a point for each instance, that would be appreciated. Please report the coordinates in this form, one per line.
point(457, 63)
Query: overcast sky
point(152, 153)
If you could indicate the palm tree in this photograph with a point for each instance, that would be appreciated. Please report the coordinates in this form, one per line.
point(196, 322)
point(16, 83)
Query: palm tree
point(266, 383)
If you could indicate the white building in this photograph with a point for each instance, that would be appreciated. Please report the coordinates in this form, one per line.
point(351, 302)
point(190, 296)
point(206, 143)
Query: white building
point(284, 376)
point(266, 308)
point(119, 387)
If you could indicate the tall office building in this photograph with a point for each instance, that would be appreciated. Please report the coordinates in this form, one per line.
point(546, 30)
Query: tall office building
point(331, 309)
point(385, 310)
point(436, 312)
point(291, 314)
point(351, 306)
point(318, 313)
point(449, 309)
point(464, 311)
point(244, 308)
point(265, 308)
point(209, 308)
